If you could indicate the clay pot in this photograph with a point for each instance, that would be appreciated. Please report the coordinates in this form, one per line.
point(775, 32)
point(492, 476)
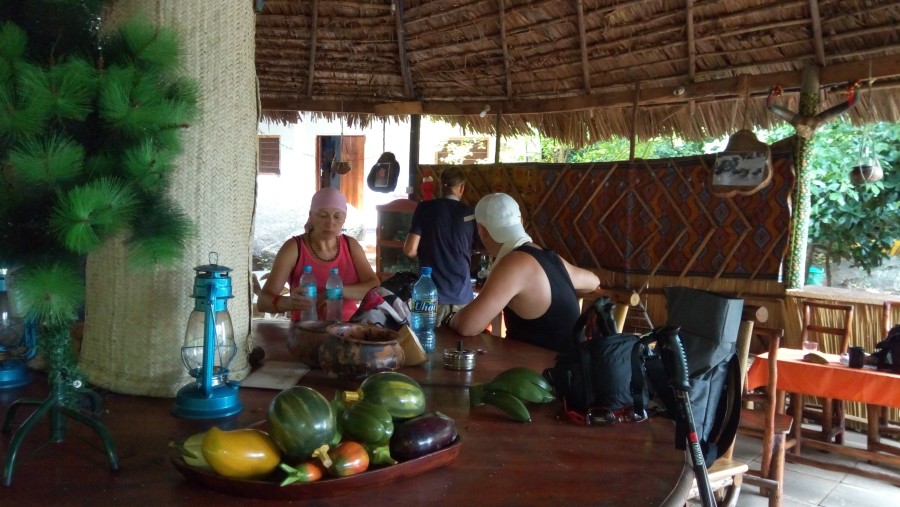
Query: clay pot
point(305, 339)
point(359, 350)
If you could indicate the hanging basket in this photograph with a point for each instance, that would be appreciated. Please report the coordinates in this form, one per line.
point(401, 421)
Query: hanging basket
point(340, 166)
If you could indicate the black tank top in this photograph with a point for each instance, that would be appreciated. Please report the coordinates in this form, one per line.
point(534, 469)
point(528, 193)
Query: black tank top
point(552, 330)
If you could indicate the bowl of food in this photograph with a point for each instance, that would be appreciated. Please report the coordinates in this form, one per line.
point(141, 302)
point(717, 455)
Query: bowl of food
point(305, 339)
point(359, 350)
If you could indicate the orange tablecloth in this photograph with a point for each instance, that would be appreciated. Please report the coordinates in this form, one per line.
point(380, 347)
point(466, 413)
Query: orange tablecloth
point(830, 381)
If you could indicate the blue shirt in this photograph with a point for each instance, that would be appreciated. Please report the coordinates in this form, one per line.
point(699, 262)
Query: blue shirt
point(446, 246)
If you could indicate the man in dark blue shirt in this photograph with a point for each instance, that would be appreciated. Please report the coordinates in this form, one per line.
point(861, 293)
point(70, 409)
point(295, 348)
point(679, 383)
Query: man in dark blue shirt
point(441, 235)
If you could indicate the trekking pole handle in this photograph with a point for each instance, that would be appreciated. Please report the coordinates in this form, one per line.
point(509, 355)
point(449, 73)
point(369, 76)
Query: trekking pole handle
point(674, 358)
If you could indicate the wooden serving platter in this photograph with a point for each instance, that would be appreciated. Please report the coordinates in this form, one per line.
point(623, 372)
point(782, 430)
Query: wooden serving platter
point(330, 487)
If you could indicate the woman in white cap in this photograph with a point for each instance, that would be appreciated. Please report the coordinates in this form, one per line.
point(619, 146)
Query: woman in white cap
point(536, 289)
point(322, 247)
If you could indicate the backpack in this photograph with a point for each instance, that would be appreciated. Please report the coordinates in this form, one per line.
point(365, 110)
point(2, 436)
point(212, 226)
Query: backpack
point(607, 377)
point(887, 352)
point(708, 328)
point(600, 377)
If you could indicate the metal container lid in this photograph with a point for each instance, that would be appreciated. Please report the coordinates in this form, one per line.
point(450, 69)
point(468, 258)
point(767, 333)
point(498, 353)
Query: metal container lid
point(459, 359)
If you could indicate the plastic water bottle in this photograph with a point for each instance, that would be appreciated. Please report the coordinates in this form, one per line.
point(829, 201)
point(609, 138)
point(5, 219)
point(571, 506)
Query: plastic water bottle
point(334, 297)
point(308, 282)
point(423, 306)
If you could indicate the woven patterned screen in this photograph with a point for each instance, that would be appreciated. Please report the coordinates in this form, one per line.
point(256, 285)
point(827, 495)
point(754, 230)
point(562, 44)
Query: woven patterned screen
point(136, 319)
point(646, 217)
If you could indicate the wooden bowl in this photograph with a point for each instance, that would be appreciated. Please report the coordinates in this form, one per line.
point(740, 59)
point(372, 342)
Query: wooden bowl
point(359, 350)
point(305, 339)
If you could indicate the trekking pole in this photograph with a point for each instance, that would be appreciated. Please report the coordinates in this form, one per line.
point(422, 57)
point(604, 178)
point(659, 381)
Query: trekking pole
point(675, 363)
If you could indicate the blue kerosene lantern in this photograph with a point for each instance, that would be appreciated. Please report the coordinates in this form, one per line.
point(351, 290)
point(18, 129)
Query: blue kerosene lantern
point(18, 338)
point(209, 348)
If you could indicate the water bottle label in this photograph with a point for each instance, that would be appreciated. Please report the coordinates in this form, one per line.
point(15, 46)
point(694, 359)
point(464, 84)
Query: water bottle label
point(311, 291)
point(424, 305)
point(334, 293)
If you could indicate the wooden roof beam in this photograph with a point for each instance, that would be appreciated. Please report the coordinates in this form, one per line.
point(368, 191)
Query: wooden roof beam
point(313, 31)
point(585, 67)
point(397, 8)
point(759, 84)
point(817, 32)
point(691, 44)
point(501, 8)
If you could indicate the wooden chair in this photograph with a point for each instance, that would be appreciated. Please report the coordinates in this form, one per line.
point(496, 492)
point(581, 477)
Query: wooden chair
point(767, 420)
point(884, 424)
point(832, 340)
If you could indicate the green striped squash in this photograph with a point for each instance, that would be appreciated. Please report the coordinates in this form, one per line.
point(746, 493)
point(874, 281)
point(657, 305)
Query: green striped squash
point(398, 393)
point(300, 421)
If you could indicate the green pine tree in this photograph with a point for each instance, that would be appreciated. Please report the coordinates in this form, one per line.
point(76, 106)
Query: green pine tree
point(90, 125)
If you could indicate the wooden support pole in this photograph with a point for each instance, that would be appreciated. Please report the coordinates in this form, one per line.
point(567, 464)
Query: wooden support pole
point(795, 265)
point(634, 116)
point(497, 126)
point(415, 126)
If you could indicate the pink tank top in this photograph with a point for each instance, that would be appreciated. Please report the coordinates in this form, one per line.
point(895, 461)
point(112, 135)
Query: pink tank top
point(344, 263)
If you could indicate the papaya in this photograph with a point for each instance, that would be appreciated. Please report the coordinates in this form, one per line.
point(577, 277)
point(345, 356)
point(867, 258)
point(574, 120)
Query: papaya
point(240, 454)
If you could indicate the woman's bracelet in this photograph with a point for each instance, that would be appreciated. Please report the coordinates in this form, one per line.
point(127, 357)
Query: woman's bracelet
point(275, 299)
point(446, 321)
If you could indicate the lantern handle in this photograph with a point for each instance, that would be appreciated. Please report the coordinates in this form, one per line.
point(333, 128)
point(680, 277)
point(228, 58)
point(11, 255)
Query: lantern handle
point(213, 258)
point(209, 342)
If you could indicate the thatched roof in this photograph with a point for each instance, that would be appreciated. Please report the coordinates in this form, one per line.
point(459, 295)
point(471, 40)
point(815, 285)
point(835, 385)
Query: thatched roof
point(574, 68)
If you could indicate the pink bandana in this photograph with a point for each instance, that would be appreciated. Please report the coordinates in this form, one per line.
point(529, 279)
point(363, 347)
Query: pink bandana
point(326, 198)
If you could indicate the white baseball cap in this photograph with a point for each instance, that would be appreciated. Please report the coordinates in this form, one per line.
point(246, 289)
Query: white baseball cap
point(499, 214)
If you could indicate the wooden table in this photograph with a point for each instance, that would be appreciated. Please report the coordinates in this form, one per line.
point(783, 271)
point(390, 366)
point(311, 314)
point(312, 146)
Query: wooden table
point(834, 380)
point(546, 462)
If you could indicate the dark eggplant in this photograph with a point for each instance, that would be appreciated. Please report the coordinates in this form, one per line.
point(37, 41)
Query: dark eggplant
point(422, 435)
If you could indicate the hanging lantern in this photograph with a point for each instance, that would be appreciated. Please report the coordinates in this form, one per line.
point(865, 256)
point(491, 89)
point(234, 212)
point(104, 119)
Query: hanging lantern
point(208, 348)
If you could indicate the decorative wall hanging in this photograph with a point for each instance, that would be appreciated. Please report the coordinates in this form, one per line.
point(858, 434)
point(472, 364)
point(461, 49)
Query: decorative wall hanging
point(384, 174)
point(746, 164)
point(743, 168)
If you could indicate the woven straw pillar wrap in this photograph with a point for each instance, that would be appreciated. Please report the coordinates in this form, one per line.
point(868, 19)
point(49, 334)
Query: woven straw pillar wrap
point(136, 319)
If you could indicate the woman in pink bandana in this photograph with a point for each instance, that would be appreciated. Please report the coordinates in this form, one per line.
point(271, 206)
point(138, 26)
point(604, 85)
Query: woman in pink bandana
point(323, 247)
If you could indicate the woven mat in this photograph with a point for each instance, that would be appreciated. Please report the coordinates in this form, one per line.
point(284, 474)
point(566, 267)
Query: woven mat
point(136, 319)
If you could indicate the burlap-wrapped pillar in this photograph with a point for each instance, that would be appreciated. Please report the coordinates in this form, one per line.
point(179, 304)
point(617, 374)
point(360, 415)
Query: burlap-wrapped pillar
point(136, 319)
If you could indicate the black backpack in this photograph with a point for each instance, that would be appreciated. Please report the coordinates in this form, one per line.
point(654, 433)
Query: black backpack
point(887, 353)
point(600, 377)
point(708, 328)
point(614, 377)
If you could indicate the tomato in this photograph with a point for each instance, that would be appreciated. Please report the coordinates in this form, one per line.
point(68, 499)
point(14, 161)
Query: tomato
point(308, 471)
point(241, 454)
point(348, 458)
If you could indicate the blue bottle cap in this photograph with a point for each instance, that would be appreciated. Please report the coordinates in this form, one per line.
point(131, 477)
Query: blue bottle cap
point(307, 269)
point(426, 270)
point(334, 271)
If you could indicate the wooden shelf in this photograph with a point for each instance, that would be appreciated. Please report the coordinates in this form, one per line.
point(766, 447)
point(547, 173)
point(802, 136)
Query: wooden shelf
point(393, 219)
